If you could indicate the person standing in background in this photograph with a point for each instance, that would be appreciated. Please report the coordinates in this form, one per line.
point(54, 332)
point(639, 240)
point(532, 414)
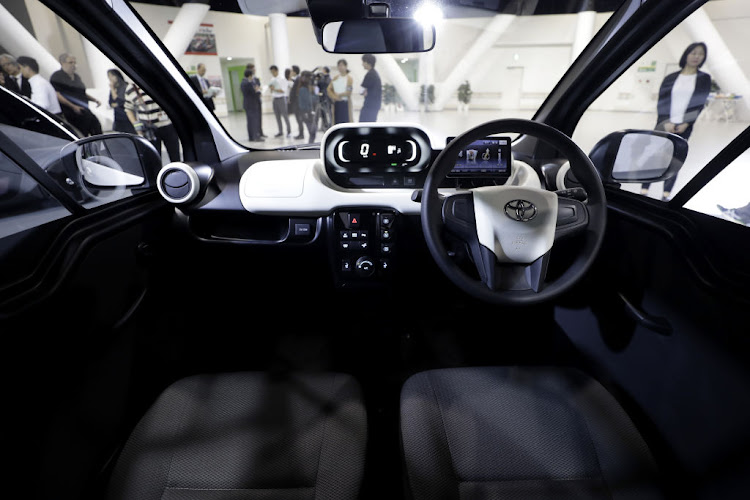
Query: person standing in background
point(306, 105)
point(203, 86)
point(256, 82)
point(117, 87)
point(151, 122)
point(372, 89)
point(293, 96)
point(13, 79)
point(42, 92)
point(251, 104)
point(340, 90)
point(71, 92)
point(279, 88)
point(682, 96)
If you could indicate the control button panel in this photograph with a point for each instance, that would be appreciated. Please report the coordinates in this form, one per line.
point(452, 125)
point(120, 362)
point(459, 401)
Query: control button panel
point(362, 243)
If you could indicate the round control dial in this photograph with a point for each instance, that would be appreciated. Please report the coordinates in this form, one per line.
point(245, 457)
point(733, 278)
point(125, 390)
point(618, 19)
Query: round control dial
point(364, 266)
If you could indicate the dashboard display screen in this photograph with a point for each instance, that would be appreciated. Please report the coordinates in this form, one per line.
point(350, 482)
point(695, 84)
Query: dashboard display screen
point(490, 156)
point(378, 151)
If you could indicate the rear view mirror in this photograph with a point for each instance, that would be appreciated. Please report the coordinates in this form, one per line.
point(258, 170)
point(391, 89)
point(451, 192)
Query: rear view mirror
point(378, 36)
point(639, 156)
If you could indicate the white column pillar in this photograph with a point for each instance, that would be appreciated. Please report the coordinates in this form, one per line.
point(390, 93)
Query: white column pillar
point(427, 68)
point(466, 64)
point(392, 72)
point(280, 41)
point(720, 63)
point(19, 42)
point(99, 64)
point(585, 24)
point(185, 25)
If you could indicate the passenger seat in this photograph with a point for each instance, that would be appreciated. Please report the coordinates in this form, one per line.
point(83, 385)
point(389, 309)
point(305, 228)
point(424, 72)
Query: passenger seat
point(247, 436)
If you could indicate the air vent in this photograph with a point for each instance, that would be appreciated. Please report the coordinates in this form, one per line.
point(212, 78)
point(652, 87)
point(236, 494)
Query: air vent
point(178, 183)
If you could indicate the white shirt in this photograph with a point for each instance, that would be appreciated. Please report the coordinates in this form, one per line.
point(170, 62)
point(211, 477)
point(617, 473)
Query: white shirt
point(44, 95)
point(682, 91)
point(276, 83)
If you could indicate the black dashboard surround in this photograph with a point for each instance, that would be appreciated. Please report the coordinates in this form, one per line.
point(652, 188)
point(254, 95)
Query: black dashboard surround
point(376, 156)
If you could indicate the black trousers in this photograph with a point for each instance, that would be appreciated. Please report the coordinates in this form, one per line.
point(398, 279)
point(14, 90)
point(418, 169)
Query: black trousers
point(168, 135)
point(86, 122)
point(669, 183)
point(312, 127)
point(253, 124)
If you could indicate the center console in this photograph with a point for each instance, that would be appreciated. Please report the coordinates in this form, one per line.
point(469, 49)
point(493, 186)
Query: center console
point(362, 245)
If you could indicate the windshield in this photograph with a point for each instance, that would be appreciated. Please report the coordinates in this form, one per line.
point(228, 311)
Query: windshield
point(260, 69)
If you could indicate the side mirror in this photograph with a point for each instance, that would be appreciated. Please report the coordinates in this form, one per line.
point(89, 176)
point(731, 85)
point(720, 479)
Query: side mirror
point(378, 36)
point(639, 156)
point(98, 167)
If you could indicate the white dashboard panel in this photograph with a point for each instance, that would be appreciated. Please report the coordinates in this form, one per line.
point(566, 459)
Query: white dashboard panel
point(319, 196)
point(302, 187)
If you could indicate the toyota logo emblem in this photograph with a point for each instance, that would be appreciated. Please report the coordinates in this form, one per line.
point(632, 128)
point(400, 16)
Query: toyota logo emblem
point(520, 210)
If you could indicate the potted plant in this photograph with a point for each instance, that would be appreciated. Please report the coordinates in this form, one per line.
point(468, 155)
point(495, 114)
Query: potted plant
point(464, 95)
point(391, 98)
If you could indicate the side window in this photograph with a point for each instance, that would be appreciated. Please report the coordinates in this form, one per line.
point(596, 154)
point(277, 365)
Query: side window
point(693, 83)
point(62, 89)
point(24, 207)
point(24, 204)
point(57, 88)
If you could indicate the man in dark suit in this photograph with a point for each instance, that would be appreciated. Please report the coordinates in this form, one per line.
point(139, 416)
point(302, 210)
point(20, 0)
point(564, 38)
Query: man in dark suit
point(13, 79)
point(202, 86)
point(250, 88)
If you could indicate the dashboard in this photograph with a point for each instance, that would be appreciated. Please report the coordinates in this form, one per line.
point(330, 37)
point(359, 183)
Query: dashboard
point(358, 195)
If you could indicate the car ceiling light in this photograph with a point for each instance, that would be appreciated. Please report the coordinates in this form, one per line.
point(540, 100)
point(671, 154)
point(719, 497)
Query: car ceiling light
point(429, 14)
point(404, 60)
point(229, 58)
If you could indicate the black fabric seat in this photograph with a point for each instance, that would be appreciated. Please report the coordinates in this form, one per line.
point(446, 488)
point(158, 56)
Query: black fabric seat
point(520, 433)
point(247, 436)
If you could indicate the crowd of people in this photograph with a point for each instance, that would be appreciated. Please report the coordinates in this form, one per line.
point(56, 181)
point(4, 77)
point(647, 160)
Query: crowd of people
point(64, 95)
point(312, 97)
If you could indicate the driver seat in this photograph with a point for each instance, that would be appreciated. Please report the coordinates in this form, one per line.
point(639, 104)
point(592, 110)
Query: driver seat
point(520, 433)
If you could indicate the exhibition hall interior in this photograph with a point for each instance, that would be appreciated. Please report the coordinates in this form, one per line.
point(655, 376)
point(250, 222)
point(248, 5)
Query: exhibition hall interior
point(485, 65)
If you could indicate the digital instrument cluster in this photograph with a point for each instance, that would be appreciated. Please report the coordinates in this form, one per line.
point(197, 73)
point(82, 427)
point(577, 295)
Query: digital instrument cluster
point(376, 155)
point(399, 156)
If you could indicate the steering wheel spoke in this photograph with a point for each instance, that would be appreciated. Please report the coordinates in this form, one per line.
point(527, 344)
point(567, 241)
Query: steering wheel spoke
point(512, 277)
point(572, 218)
point(458, 216)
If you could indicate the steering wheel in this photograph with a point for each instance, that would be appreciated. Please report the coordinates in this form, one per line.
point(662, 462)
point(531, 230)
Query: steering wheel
point(510, 230)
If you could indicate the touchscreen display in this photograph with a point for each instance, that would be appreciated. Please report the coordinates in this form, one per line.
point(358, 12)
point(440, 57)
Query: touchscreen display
point(490, 156)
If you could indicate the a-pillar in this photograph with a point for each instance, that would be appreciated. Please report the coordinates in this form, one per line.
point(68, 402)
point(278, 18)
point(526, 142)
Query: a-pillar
point(726, 71)
point(19, 42)
point(280, 41)
point(585, 24)
point(467, 63)
point(185, 25)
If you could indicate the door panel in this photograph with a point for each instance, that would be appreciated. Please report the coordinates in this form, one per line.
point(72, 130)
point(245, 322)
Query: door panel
point(69, 332)
point(689, 387)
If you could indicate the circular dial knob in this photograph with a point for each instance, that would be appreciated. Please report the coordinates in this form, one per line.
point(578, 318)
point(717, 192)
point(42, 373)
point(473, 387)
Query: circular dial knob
point(364, 266)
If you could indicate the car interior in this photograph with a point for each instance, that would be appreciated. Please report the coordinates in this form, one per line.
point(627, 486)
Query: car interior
point(373, 314)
